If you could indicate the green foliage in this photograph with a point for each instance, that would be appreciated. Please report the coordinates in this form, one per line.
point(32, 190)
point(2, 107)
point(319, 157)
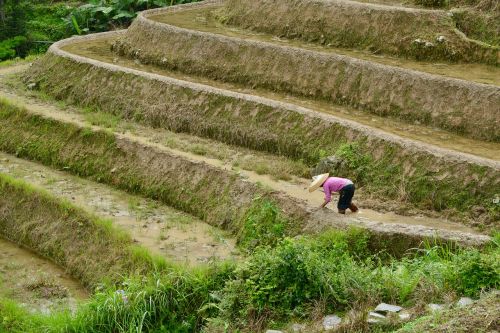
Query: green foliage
point(285, 281)
point(39, 23)
point(357, 163)
point(102, 15)
point(43, 22)
point(262, 225)
point(475, 272)
point(9, 47)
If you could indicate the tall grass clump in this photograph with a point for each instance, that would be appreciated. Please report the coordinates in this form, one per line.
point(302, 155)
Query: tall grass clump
point(263, 224)
point(161, 302)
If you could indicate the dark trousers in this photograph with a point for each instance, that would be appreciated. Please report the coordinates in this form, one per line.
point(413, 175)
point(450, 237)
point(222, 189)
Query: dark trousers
point(346, 194)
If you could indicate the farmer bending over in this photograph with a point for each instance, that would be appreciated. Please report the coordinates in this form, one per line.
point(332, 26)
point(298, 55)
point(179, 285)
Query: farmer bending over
point(344, 186)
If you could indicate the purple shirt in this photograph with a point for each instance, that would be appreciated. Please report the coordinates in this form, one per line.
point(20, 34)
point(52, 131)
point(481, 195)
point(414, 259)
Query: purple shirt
point(334, 184)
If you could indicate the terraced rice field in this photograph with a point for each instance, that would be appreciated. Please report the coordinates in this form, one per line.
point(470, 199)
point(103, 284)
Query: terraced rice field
point(165, 169)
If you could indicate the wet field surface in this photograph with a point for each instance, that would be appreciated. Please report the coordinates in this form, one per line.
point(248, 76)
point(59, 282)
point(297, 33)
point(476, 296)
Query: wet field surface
point(165, 231)
point(36, 283)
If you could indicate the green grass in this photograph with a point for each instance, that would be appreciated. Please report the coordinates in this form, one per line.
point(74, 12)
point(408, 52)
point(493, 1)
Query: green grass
point(17, 61)
point(279, 281)
point(97, 118)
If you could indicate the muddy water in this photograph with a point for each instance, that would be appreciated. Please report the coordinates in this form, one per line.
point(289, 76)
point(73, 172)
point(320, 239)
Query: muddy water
point(36, 283)
point(100, 50)
point(201, 20)
point(165, 231)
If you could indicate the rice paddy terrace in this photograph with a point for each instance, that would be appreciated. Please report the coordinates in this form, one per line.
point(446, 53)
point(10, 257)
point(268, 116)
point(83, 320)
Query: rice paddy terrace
point(164, 168)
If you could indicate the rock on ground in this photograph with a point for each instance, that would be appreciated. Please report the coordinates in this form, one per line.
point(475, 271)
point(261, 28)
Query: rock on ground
point(330, 322)
point(385, 308)
point(464, 301)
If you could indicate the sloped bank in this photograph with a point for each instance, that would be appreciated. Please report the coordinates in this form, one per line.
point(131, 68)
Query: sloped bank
point(89, 248)
point(218, 196)
point(385, 29)
point(455, 181)
point(131, 288)
point(460, 106)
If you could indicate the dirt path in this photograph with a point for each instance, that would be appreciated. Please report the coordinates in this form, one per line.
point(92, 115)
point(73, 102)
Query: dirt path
point(167, 232)
point(36, 283)
point(296, 189)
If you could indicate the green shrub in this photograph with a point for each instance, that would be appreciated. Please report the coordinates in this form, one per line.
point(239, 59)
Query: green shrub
point(475, 272)
point(284, 281)
point(9, 48)
point(276, 284)
point(262, 225)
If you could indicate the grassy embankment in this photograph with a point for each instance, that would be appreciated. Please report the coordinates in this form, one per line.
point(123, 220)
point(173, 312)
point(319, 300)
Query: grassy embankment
point(104, 259)
point(383, 169)
point(218, 197)
point(335, 271)
point(395, 31)
point(297, 278)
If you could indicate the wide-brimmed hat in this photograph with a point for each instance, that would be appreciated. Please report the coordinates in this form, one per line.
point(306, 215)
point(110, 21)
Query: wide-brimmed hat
point(318, 181)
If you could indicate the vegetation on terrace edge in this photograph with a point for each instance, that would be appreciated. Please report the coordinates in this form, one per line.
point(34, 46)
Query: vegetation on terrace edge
point(29, 27)
point(291, 279)
point(425, 36)
point(381, 168)
point(212, 195)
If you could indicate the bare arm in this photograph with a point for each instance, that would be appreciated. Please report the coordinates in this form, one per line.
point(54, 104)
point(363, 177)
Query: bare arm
point(323, 205)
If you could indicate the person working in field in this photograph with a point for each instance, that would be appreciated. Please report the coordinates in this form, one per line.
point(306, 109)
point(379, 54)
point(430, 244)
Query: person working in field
point(344, 186)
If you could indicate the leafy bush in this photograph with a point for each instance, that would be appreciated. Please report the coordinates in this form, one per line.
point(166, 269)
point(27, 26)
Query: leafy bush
point(102, 15)
point(475, 272)
point(262, 225)
point(337, 269)
point(9, 47)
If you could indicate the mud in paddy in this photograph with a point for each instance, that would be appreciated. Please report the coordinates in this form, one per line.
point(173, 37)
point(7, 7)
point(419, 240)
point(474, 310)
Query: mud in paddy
point(165, 231)
point(35, 282)
point(100, 50)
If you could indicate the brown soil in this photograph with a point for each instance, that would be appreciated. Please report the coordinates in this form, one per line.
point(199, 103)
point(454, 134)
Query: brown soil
point(37, 283)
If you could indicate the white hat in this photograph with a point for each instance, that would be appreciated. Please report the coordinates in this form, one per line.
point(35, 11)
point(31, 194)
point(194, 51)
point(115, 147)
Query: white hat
point(318, 181)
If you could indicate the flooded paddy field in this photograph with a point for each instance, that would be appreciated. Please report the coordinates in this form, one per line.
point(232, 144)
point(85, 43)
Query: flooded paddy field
point(163, 230)
point(38, 284)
